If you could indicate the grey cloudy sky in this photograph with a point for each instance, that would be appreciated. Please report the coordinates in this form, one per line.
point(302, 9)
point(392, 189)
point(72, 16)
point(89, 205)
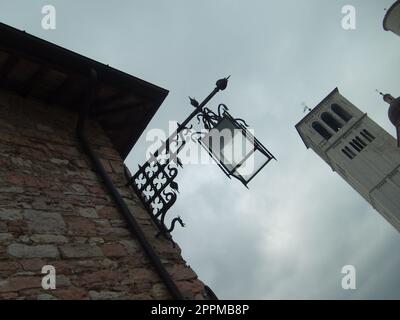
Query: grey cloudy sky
point(299, 224)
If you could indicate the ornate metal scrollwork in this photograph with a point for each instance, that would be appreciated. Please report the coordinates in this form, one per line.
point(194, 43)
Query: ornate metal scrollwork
point(154, 182)
point(210, 119)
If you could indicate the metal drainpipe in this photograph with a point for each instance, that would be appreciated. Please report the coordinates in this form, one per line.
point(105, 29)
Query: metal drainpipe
point(132, 223)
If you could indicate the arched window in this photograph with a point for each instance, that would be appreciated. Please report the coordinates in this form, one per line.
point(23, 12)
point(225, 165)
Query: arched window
point(331, 121)
point(321, 130)
point(343, 114)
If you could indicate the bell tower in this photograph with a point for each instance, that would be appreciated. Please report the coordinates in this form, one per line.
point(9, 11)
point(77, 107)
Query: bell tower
point(358, 149)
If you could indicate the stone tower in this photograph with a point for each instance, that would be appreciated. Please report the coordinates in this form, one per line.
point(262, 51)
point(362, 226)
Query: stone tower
point(391, 22)
point(358, 149)
point(64, 199)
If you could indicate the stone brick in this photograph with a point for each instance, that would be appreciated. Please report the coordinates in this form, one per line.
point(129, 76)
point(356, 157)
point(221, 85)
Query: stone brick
point(79, 188)
point(114, 250)
point(59, 161)
point(11, 190)
point(190, 288)
point(181, 272)
point(96, 240)
point(10, 214)
point(104, 295)
point(5, 236)
point(26, 180)
point(131, 246)
point(79, 163)
point(108, 212)
point(80, 251)
point(117, 166)
point(25, 251)
point(200, 296)
point(3, 227)
point(113, 233)
point(8, 296)
point(64, 150)
point(48, 238)
point(119, 223)
point(97, 190)
point(20, 283)
point(88, 213)
point(46, 296)
point(160, 292)
point(24, 239)
point(140, 296)
point(80, 226)
point(21, 162)
point(62, 280)
point(17, 227)
point(71, 293)
point(144, 275)
point(44, 222)
point(79, 240)
point(80, 265)
point(102, 222)
point(106, 165)
point(9, 266)
point(132, 262)
point(109, 264)
point(62, 267)
point(34, 264)
point(102, 276)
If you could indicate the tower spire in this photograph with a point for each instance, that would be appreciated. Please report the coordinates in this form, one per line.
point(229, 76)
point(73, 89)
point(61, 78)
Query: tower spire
point(393, 112)
point(386, 97)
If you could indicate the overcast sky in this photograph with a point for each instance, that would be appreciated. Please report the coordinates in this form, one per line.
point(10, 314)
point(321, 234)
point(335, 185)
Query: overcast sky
point(299, 224)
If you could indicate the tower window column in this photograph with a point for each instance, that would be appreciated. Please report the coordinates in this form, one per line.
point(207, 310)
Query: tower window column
point(334, 124)
point(341, 113)
point(323, 132)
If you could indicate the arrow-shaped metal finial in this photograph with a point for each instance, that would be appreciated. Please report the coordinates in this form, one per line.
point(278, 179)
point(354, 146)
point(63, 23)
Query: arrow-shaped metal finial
point(194, 102)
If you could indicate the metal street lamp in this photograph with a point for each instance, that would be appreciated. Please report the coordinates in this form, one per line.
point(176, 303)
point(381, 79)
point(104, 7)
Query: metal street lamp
point(238, 153)
point(227, 140)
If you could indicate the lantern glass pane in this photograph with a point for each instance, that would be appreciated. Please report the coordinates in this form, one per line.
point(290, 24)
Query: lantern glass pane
point(251, 166)
point(228, 144)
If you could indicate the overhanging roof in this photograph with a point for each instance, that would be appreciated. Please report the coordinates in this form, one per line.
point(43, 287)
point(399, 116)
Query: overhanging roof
point(124, 105)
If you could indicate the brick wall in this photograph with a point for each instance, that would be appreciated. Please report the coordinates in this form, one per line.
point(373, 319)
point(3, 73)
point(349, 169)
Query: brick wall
point(54, 210)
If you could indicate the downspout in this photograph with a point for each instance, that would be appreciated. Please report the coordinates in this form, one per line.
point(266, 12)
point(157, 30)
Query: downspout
point(119, 201)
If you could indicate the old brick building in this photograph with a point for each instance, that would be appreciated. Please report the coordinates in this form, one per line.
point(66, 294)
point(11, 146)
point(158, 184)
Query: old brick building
point(55, 208)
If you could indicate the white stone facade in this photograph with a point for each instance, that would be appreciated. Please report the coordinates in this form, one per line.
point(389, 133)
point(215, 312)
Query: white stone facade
point(358, 149)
